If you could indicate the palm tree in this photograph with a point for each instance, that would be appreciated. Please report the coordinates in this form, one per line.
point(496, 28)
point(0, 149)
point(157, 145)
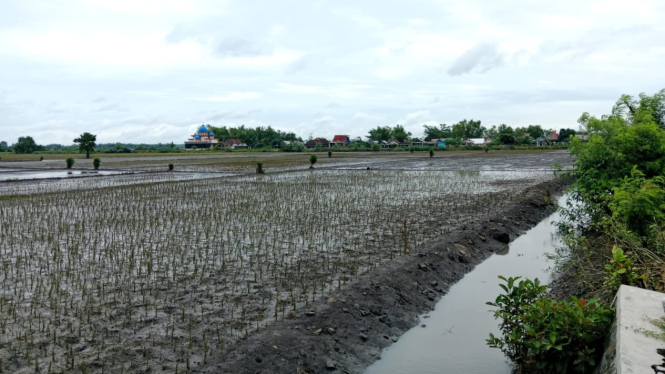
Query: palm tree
point(86, 143)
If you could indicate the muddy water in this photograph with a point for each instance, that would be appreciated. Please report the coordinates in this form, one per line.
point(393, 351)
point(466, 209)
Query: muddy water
point(26, 175)
point(453, 340)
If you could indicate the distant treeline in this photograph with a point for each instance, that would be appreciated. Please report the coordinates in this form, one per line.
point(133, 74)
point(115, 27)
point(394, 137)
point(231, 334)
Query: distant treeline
point(259, 137)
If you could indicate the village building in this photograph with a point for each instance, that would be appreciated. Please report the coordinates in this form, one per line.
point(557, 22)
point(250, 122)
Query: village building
point(203, 138)
point(314, 142)
point(235, 143)
point(341, 141)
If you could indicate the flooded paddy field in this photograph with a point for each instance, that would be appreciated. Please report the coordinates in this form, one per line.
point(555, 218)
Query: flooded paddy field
point(167, 275)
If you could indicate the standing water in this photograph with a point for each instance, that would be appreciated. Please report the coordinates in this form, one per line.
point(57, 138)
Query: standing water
point(453, 340)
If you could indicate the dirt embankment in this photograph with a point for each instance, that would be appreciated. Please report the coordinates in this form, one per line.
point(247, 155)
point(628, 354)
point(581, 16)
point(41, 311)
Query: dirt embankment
point(346, 332)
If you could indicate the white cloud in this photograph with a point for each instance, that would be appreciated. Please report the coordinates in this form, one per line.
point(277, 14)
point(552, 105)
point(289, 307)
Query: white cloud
point(121, 68)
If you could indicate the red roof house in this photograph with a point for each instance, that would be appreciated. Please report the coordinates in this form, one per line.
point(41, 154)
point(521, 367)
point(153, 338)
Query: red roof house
point(341, 140)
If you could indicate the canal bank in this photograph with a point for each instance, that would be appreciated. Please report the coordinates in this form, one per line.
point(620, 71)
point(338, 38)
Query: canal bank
point(451, 338)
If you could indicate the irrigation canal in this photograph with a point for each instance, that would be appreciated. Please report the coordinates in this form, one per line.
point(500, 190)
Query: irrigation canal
point(453, 339)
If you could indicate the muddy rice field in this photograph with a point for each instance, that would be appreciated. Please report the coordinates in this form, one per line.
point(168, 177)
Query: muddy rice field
point(151, 271)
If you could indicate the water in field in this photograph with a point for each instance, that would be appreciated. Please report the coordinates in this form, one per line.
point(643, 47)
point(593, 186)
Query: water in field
point(27, 175)
point(453, 340)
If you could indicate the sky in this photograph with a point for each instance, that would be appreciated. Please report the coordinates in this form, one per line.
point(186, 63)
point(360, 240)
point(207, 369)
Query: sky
point(149, 71)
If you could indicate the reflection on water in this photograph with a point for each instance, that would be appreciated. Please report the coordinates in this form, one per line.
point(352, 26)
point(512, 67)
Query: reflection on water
point(454, 339)
point(27, 175)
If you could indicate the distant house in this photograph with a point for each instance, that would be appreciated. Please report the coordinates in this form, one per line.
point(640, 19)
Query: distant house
point(552, 137)
point(235, 143)
point(341, 141)
point(417, 142)
point(384, 144)
point(312, 143)
point(405, 143)
point(441, 143)
point(541, 141)
point(583, 137)
point(393, 144)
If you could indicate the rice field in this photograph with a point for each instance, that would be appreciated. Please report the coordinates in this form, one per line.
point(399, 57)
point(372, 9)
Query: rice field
point(160, 276)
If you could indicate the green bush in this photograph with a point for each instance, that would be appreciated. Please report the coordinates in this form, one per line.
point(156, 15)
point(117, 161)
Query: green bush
point(431, 153)
point(329, 154)
point(170, 167)
point(96, 162)
point(259, 167)
point(542, 335)
point(69, 162)
point(312, 160)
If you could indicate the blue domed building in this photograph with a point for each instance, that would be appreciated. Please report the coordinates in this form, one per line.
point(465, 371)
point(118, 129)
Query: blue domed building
point(203, 138)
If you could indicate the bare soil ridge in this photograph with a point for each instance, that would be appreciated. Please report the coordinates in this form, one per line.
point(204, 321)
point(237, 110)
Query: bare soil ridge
point(346, 331)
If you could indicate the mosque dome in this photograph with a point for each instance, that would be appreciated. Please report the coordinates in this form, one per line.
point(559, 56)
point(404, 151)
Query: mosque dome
point(211, 134)
point(197, 137)
point(203, 128)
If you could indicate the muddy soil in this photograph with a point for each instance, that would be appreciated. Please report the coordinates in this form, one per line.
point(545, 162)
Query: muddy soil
point(346, 331)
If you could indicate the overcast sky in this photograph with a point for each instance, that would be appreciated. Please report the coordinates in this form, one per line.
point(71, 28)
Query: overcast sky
point(151, 70)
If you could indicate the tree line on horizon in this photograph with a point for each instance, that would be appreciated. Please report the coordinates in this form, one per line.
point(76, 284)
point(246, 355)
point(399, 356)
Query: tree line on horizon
point(268, 137)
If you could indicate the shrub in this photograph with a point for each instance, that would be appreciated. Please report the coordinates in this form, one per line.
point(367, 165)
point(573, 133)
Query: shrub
point(329, 154)
point(96, 162)
point(431, 153)
point(170, 167)
point(312, 161)
point(41, 158)
point(376, 147)
point(543, 335)
point(70, 162)
point(411, 149)
point(620, 270)
point(259, 167)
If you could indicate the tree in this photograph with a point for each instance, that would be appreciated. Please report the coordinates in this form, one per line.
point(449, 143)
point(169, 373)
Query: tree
point(400, 134)
point(26, 144)
point(86, 143)
point(468, 129)
point(380, 133)
point(642, 110)
point(3, 146)
point(506, 134)
point(535, 131)
point(442, 132)
point(564, 134)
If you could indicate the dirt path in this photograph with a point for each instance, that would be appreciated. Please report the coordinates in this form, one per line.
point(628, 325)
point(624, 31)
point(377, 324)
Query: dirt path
point(346, 331)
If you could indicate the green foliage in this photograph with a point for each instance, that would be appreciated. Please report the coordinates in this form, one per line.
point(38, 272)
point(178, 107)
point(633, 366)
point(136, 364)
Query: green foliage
point(380, 133)
point(26, 144)
point(431, 153)
point(565, 134)
point(259, 167)
point(467, 129)
point(259, 137)
point(170, 167)
point(329, 154)
point(400, 134)
point(542, 335)
point(96, 162)
point(442, 132)
point(616, 145)
point(621, 270)
point(312, 160)
point(69, 162)
point(86, 143)
point(639, 202)
point(376, 147)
